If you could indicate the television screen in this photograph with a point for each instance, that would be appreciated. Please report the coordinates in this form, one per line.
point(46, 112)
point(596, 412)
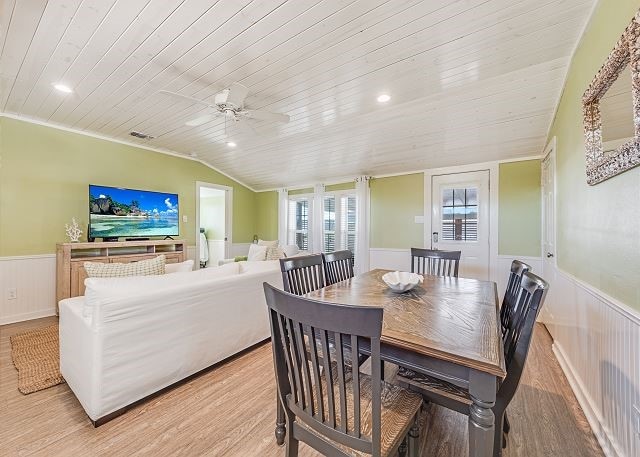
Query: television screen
point(116, 212)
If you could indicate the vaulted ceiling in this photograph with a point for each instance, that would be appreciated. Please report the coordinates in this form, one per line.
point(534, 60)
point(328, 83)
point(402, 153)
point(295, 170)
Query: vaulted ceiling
point(469, 80)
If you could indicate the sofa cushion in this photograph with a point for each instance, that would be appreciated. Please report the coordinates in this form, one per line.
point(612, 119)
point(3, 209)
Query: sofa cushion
point(99, 289)
point(257, 252)
point(187, 265)
point(290, 250)
point(147, 267)
point(259, 267)
point(270, 244)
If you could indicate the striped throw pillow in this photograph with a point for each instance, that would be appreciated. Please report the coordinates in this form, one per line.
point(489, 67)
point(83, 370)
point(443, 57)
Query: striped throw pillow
point(147, 267)
point(275, 253)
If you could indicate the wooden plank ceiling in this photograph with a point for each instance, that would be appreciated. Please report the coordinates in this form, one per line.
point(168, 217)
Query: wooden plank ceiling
point(469, 80)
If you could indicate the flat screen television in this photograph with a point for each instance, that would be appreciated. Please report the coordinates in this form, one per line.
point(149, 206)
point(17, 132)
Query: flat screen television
point(115, 212)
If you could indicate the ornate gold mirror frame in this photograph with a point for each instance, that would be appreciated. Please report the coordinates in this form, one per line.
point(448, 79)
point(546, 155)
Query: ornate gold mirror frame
point(601, 166)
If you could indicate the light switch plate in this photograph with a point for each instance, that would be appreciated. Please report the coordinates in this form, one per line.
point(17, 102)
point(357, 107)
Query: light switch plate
point(185, 218)
point(418, 219)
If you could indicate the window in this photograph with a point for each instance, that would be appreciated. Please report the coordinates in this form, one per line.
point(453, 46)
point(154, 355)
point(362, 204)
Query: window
point(460, 214)
point(299, 222)
point(339, 222)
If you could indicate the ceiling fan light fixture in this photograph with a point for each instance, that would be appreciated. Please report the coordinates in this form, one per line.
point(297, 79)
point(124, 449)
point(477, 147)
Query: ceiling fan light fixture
point(384, 98)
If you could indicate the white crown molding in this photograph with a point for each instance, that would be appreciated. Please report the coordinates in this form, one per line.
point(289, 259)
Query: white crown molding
point(169, 152)
point(412, 172)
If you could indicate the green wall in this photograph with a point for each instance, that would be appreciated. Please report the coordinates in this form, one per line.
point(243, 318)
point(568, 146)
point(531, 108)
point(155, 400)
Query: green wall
point(520, 208)
point(44, 174)
point(394, 203)
point(267, 215)
point(598, 227)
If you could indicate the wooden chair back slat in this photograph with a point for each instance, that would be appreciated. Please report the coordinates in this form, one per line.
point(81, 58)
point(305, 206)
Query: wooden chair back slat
point(518, 268)
point(435, 262)
point(517, 340)
point(338, 266)
point(301, 275)
point(316, 389)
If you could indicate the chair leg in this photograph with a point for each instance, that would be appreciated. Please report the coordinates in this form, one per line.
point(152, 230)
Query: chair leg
point(382, 370)
point(414, 434)
point(291, 448)
point(498, 434)
point(280, 422)
point(402, 450)
point(506, 425)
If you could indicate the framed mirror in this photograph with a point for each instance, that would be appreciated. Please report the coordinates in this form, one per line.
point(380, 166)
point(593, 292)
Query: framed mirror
point(611, 108)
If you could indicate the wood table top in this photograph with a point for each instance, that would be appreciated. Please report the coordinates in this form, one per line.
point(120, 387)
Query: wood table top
point(452, 319)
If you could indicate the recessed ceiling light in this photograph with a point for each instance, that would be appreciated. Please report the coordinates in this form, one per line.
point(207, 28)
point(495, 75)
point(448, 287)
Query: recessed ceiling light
point(231, 144)
point(384, 98)
point(63, 88)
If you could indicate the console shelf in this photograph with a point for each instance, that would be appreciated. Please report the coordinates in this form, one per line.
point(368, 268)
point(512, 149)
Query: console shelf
point(70, 257)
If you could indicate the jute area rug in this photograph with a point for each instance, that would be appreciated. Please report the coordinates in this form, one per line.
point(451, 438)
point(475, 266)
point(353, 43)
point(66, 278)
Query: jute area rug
point(36, 356)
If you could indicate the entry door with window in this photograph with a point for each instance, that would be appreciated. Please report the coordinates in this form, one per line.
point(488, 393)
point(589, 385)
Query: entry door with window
point(460, 219)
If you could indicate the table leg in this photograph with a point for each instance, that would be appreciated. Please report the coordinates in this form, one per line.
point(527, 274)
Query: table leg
point(281, 430)
point(482, 387)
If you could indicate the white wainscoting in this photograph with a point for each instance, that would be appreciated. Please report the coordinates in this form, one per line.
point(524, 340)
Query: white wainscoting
point(34, 278)
point(597, 342)
point(390, 259)
point(238, 249)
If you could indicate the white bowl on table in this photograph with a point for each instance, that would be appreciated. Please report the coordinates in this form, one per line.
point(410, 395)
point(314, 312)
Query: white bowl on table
point(402, 281)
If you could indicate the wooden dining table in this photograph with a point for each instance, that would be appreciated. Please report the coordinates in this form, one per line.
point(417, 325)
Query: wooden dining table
point(447, 328)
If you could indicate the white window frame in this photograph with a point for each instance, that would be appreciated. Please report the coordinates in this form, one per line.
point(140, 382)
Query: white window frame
point(291, 223)
point(337, 195)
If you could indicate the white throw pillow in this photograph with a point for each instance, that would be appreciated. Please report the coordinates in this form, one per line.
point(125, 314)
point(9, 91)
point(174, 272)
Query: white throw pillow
point(147, 267)
point(271, 244)
point(187, 265)
point(290, 250)
point(257, 252)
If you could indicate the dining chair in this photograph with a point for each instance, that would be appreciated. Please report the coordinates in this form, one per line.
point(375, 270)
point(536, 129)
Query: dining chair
point(304, 274)
point(530, 298)
point(336, 410)
point(518, 268)
point(435, 262)
point(338, 266)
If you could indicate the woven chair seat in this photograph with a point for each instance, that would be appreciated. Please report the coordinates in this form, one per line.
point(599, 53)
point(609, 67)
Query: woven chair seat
point(434, 385)
point(399, 408)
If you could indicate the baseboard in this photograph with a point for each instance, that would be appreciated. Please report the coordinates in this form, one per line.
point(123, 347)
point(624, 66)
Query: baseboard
point(27, 316)
point(603, 435)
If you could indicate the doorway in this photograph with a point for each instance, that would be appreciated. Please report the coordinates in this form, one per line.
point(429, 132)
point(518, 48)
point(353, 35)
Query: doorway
point(549, 267)
point(460, 219)
point(213, 224)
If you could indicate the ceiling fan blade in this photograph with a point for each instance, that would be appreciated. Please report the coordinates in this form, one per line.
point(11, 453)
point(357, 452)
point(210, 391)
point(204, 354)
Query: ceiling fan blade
point(200, 120)
point(260, 115)
point(237, 94)
point(243, 126)
point(186, 97)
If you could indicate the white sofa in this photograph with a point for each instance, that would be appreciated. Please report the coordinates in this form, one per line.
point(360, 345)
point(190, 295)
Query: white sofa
point(128, 338)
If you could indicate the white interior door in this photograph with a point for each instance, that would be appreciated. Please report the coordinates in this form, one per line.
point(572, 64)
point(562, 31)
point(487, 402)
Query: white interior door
point(460, 219)
point(548, 234)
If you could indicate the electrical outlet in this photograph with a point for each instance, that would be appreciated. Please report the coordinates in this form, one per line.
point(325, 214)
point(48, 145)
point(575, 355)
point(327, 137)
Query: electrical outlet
point(12, 293)
point(636, 416)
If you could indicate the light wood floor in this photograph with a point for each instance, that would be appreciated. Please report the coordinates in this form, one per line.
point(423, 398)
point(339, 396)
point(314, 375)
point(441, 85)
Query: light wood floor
point(229, 411)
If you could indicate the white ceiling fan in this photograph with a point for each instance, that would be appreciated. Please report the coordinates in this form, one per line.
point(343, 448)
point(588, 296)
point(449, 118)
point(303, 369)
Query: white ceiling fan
point(230, 103)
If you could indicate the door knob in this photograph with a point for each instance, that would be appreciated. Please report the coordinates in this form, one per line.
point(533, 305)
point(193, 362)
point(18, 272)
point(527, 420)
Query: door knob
point(549, 255)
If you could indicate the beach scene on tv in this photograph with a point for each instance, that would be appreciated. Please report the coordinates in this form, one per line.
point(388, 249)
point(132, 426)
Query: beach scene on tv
point(115, 212)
